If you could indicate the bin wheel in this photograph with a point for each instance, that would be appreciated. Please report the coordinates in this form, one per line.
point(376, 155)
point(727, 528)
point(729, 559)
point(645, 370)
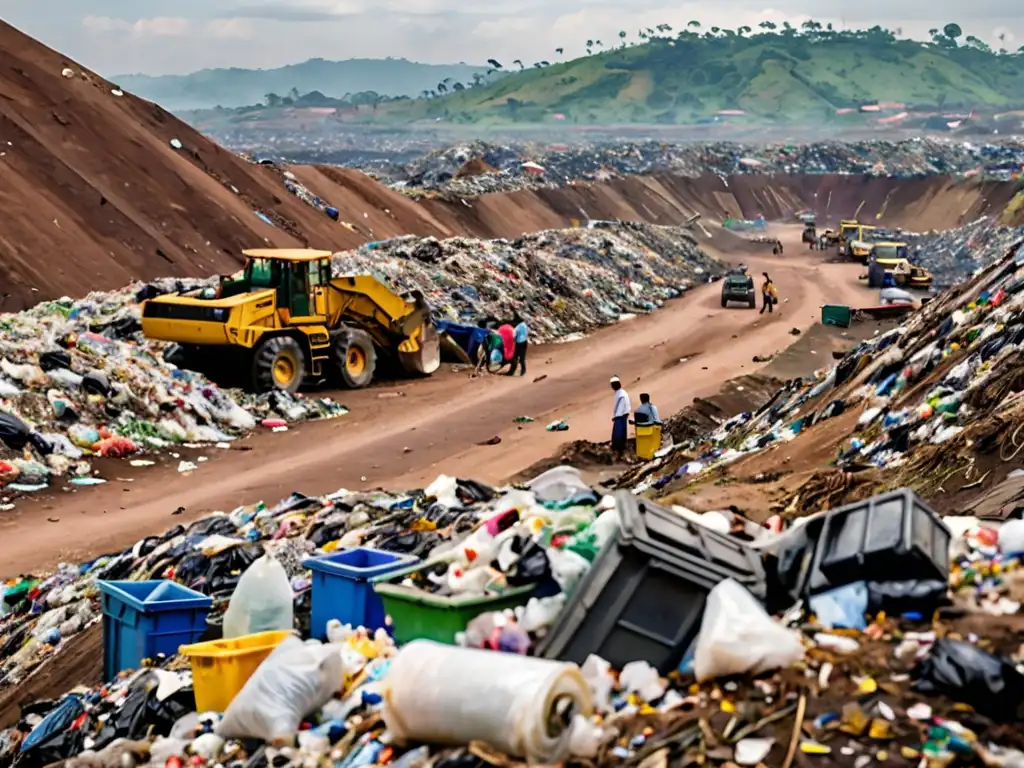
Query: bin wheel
point(279, 363)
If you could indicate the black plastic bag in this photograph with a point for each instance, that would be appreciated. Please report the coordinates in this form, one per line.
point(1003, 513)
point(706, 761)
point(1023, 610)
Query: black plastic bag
point(55, 360)
point(532, 567)
point(964, 672)
point(96, 383)
point(14, 432)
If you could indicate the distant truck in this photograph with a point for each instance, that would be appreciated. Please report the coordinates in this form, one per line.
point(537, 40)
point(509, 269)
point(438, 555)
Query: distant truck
point(738, 286)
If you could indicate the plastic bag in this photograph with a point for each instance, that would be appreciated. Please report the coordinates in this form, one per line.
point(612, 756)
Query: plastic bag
point(13, 431)
point(295, 680)
point(738, 637)
point(262, 600)
point(966, 673)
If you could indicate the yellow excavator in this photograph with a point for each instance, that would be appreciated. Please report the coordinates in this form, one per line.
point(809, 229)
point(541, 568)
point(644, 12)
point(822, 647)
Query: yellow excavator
point(285, 318)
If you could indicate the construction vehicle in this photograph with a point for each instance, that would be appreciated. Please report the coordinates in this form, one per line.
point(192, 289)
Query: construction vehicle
point(847, 228)
point(858, 243)
point(904, 273)
point(738, 286)
point(285, 318)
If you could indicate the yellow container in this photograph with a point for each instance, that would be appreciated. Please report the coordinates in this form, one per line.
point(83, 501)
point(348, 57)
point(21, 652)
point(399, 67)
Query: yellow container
point(648, 441)
point(221, 667)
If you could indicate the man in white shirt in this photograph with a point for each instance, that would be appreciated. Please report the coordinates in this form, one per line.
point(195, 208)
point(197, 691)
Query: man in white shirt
point(620, 416)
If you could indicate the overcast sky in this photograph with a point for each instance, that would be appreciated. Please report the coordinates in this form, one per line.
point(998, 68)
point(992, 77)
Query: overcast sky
point(127, 36)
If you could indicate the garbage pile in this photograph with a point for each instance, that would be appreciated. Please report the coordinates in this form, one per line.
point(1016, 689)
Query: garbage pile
point(951, 254)
point(523, 166)
point(678, 636)
point(934, 396)
point(78, 380)
point(563, 281)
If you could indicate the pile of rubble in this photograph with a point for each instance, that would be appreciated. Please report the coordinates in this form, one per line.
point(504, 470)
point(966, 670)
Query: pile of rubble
point(564, 281)
point(532, 166)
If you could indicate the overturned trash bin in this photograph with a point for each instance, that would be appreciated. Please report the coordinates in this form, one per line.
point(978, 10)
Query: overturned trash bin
point(342, 588)
point(142, 619)
point(643, 598)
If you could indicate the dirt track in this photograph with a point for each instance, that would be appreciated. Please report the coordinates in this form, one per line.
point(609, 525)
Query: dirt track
point(441, 420)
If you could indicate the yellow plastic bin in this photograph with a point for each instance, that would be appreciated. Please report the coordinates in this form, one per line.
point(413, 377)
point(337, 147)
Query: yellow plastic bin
point(648, 441)
point(221, 667)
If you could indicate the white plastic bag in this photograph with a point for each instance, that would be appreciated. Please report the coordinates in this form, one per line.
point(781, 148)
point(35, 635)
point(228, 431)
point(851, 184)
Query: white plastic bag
point(262, 601)
point(738, 637)
point(295, 680)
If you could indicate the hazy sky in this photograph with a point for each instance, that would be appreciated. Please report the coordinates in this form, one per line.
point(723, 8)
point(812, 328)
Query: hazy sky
point(126, 36)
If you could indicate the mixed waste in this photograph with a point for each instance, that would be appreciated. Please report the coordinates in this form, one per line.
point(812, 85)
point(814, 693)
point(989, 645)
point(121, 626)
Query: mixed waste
point(79, 380)
point(951, 254)
point(563, 281)
point(935, 398)
point(525, 630)
point(480, 167)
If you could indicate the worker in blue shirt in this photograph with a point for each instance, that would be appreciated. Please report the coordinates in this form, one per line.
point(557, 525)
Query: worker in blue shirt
point(647, 414)
point(522, 338)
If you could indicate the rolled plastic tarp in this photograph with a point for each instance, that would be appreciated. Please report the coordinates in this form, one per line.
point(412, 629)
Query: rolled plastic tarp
point(522, 706)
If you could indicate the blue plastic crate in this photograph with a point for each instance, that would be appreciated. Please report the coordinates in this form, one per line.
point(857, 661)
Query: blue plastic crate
point(144, 618)
point(342, 588)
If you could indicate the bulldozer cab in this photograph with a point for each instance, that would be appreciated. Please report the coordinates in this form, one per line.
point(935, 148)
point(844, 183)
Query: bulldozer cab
point(298, 277)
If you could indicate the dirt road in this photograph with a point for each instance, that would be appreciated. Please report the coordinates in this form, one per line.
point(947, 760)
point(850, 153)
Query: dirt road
point(435, 426)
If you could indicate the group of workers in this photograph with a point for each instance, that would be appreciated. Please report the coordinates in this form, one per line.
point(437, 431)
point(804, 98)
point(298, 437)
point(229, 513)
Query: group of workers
point(507, 343)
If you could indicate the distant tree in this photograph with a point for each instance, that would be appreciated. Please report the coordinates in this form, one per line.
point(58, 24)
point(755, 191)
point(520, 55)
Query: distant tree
point(769, 25)
point(622, 36)
point(744, 31)
point(477, 79)
point(294, 93)
point(458, 87)
point(952, 31)
point(517, 61)
point(494, 63)
point(590, 45)
point(545, 63)
point(559, 51)
point(424, 94)
point(273, 100)
point(442, 88)
point(694, 24)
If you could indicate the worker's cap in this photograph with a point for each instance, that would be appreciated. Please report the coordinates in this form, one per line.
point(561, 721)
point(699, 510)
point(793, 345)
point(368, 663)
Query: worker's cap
point(614, 380)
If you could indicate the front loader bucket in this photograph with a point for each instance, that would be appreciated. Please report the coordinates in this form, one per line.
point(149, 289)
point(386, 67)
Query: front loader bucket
point(428, 358)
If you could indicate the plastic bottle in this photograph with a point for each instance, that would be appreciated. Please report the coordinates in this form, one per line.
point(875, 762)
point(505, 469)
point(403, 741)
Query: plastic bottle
point(262, 601)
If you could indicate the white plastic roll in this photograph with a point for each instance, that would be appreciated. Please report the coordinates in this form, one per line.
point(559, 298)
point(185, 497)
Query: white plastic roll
point(443, 694)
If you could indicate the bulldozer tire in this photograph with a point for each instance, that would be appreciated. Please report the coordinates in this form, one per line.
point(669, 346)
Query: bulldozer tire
point(354, 357)
point(279, 363)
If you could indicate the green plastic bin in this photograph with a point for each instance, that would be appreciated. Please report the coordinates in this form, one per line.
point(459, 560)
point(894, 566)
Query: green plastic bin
point(419, 615)
point(836, 314)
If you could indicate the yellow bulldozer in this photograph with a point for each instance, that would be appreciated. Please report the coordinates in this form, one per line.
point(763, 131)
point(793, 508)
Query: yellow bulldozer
point(285, 319)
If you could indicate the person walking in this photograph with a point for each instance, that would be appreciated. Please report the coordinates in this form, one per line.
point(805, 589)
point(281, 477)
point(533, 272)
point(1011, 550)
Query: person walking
point(521, 335)
point(620, 417)
point(768, 294)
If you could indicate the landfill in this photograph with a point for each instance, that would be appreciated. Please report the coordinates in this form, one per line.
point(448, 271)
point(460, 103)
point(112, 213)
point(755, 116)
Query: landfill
point(883, 665)
point(564, 281)
point(935, 397)
point(479, 167)
point(79, 381)
point(951, 254)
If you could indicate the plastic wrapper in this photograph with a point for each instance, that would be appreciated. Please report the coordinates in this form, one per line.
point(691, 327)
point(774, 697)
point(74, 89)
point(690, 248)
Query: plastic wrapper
point(295, 680)
point(261, 602)
point(738, 637)
point(964, 672)
point(519, 705)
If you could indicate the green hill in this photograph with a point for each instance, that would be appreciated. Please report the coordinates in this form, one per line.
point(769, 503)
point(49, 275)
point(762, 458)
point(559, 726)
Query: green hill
point(787, 75)
point(234, 87)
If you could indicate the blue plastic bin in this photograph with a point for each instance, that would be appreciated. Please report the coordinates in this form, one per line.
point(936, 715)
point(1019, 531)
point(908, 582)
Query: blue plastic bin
point(342, 588)
point(144, 618)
